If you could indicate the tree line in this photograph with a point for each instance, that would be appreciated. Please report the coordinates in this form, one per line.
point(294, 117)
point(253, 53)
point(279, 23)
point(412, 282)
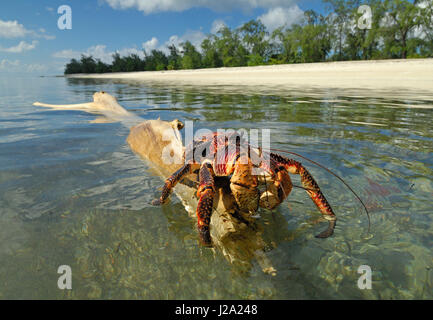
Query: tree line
point(399, 29)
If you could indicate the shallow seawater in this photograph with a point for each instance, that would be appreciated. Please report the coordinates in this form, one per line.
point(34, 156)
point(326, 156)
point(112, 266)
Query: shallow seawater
point(73, 193)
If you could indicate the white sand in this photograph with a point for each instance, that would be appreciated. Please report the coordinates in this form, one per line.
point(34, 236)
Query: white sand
point(413, 75)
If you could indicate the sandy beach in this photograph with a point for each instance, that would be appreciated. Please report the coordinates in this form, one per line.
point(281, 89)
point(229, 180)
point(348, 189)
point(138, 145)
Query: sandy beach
point(413, 75)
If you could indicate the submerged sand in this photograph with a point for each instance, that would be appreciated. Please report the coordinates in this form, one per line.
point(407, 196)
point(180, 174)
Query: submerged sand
point(414, 75)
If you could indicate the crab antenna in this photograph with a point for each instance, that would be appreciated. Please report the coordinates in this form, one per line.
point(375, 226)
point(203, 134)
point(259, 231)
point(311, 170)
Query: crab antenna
point(306, 189)
point(334, 174)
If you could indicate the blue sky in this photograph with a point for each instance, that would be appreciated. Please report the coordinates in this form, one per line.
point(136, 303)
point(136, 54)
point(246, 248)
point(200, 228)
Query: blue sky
point(31, 42)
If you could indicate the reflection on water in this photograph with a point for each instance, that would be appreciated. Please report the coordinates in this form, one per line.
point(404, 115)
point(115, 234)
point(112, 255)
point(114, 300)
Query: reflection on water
point(73, 193)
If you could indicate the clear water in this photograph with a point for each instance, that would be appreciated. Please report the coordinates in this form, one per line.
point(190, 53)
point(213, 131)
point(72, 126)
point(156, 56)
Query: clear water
point(72, 193)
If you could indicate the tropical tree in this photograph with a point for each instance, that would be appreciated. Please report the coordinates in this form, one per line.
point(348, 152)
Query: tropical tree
point(426, 30)
point(339, 21)
point(210, 55)
point(133, 63)
point(160, 60)
point(315, 42)
point(102, 67)
point(174, 59)
point(88, 64)
point(256, 40)
point(402, 18)
point(281, 41)
point(309, 41)
point(230, 48)
point(72, 67)
point(156, 60)
point(191, 57)
point(118, 64)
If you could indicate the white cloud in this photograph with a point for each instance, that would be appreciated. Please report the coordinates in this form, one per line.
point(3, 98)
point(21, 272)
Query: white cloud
point(154, 44)
point(4, 64)
point(36, 67)
point(194, 36)
point(16, 66)
point(42, 34)
point(21, 47)
point(129, 51)
point(150, 6)
point(277, 17)
point(217, 25)
point(150, 45)
point(67, 54)
point(98, 52)
point(12, 29)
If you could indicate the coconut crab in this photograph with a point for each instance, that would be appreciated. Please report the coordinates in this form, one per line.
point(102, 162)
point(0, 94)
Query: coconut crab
point(229, 155)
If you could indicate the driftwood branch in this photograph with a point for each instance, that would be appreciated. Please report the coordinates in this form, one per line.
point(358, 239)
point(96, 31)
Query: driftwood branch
point(237, 237)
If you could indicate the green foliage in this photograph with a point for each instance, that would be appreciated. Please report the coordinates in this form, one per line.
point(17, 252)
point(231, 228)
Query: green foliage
point(191, 57)
point(254, 35)
point(210, 55)
point(426, 43)
point(73, 67)
point(133, 63)
point(119, 63)
point(102, 67)
point(339, 22)
point(230, 48)
point(174, 59)
point(400, 29)
point(157, 60)
point(255, 60)
point(88, 64)
point(402, 19)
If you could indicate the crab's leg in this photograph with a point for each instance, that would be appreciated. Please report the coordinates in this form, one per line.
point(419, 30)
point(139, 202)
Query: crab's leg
point(312, 189)
point(172, 181)
point(206, 193)
point(275, 193)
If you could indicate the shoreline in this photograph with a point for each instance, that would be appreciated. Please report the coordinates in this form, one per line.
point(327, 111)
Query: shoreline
point(411, 74)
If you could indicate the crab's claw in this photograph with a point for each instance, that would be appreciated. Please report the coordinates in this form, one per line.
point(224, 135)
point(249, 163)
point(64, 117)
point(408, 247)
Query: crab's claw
point(313, 190)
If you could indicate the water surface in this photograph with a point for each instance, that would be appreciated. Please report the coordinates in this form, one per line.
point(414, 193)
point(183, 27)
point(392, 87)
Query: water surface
point(72, 193)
